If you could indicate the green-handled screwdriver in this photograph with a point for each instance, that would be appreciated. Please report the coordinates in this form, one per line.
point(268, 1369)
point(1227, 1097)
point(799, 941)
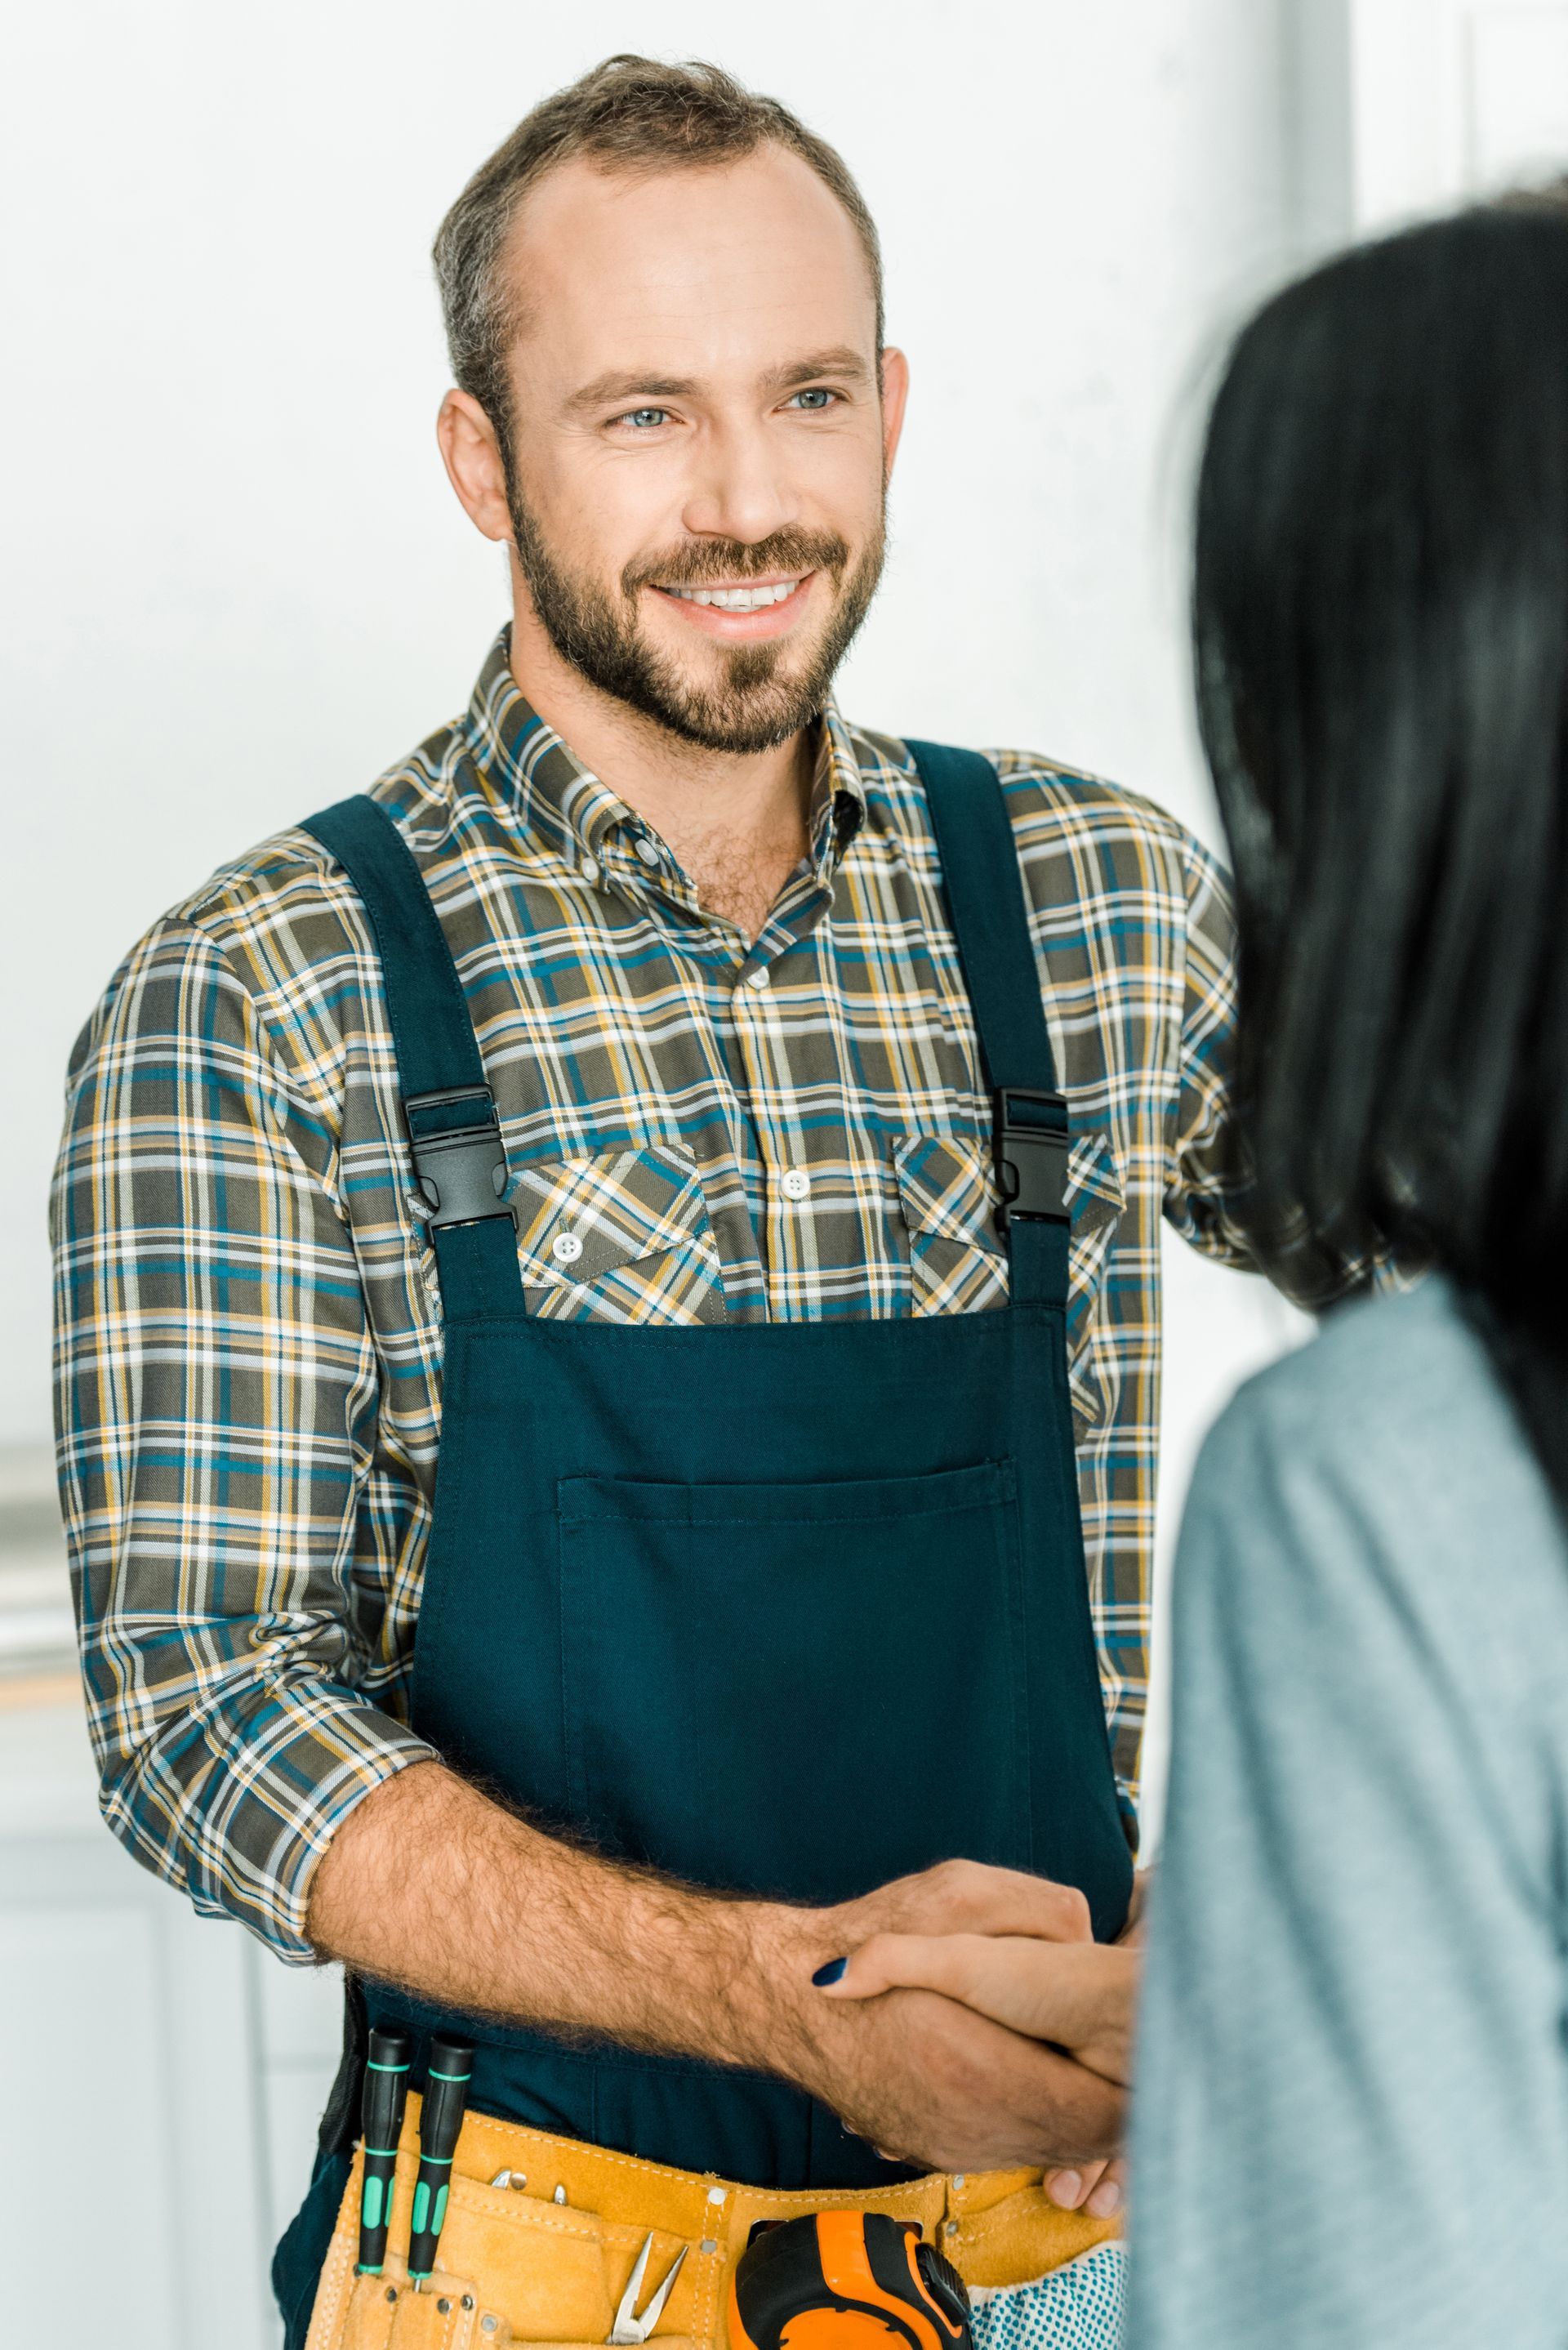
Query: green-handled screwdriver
point(381, 2127)
point(441, 2118)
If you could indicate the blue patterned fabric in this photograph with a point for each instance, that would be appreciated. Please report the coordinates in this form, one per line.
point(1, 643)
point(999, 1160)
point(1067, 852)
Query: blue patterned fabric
point(1078, 2307)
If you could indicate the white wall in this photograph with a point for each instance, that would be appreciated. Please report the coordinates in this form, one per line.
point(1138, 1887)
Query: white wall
point(238, 582)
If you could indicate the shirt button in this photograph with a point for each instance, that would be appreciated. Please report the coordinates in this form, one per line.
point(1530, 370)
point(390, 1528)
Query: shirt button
point(758, 978)
point(644, 849)
point(566, 1248)
point(590, 871)
point(797, 1184)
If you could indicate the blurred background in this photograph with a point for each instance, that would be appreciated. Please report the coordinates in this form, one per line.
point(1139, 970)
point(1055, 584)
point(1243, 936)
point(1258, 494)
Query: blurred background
point(237, 586)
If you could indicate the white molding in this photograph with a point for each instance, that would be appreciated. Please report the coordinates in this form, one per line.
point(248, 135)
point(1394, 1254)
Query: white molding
point(1317, 93)
point(1516, 91)
point(1446, 100)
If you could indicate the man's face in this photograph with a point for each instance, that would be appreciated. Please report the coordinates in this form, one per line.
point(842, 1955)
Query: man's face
point(697, 450)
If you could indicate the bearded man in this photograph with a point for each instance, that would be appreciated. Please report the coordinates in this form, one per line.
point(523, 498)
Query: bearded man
point(609, 1319)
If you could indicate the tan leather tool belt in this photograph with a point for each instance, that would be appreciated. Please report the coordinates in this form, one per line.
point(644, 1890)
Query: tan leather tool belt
point(545, 2258)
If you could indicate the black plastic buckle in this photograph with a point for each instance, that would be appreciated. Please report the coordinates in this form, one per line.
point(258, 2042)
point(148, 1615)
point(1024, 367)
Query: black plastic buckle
point(461, 1172)
point(1031, 1159)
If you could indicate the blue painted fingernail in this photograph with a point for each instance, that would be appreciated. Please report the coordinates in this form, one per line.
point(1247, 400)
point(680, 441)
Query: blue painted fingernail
point(829, 1973)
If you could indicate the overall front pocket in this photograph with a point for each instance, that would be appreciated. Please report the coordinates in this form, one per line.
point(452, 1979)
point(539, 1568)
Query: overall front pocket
point(798, 1690)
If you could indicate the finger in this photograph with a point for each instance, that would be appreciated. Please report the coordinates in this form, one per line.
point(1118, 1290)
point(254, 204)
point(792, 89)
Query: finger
point(1091, 2187)
point(1070, 1993)
point(901, 1962)
point(969, 1896)
point(1107, 2198)
point(1069, 2190)
point(980, 1972)
point(960, 1966)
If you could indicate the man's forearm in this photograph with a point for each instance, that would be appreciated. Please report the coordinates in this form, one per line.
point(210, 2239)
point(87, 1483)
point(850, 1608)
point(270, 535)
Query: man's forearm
point(431, 1886)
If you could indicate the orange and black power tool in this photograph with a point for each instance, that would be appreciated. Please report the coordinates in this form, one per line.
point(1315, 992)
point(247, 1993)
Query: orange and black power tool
point(845, 2281)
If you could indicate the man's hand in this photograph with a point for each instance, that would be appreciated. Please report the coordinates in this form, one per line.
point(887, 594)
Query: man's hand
point(429, 1884)
point(961, 1897)
point(1090, 1991)
point(922, 2078)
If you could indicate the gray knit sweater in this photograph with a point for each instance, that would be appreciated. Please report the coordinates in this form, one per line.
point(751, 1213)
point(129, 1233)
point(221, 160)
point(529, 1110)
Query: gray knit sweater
point(1350, 2113)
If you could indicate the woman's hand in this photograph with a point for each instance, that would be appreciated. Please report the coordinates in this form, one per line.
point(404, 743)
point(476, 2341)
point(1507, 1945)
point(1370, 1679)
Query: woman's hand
point(1078, 1995)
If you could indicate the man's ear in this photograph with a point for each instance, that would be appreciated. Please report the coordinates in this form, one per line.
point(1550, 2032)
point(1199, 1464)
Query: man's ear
point(471, 455)
point(895, 375)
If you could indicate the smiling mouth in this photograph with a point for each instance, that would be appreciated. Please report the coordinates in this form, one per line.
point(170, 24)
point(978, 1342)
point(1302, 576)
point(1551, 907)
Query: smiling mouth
point(754, 596)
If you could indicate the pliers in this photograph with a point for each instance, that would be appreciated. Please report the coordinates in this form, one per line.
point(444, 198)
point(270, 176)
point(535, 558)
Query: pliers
point(628, 2326)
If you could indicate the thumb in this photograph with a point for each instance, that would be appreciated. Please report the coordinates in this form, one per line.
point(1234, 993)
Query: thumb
point(897, 1962)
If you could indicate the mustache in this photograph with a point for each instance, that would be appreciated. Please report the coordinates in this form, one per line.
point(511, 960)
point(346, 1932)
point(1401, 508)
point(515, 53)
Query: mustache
point(708, 562)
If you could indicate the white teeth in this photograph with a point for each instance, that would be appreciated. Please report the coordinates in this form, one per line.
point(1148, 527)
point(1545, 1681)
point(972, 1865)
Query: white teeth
point(736, 600)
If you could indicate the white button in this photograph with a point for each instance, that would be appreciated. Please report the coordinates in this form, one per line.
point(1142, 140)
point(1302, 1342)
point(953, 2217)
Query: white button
point(715, 2195)
point(797, 1184)
point(590, 871)
point(566, 1248)
point(646, 850)
point(758, 978)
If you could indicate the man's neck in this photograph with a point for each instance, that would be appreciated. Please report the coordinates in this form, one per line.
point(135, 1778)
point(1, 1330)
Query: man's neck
point(738, 822)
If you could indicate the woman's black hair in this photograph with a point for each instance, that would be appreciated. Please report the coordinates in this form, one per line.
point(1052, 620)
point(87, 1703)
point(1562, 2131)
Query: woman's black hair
point(1381, 633)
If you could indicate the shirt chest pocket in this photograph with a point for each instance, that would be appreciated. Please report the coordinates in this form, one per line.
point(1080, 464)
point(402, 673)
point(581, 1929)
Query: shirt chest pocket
point(957, 1263)
point(623, 1236)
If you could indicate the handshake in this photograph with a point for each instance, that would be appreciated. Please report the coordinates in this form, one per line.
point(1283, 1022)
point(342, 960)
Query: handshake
point(962, 2019)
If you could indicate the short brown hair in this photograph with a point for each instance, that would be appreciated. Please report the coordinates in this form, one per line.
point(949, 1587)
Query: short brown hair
point(632, 115)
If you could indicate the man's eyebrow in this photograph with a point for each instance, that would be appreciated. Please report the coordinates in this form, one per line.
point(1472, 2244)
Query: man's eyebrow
point(608, 391)
point(624, 387)
point(842, 359)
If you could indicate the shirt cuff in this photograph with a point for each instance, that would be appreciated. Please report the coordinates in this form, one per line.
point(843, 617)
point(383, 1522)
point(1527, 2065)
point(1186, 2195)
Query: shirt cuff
point(240, 1807)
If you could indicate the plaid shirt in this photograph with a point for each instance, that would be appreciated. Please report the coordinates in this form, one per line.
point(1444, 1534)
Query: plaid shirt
point(249, 1341)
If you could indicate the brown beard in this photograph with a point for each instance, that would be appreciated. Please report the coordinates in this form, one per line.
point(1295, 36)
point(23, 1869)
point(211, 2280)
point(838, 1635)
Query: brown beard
point(759, 701)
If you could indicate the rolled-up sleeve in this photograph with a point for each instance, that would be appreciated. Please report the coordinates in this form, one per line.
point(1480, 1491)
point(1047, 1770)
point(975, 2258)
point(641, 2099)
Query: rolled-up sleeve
point(216, 1390)
point(1205, 1175)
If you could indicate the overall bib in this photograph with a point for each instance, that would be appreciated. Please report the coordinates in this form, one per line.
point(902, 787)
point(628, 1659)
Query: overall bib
point(791, 1608)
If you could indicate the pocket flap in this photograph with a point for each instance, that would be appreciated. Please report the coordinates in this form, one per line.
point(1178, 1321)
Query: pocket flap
point(947, 1192)
point(1095, 1197)
point(946, 1186)
point(579, 1219)
point(1094, 1192)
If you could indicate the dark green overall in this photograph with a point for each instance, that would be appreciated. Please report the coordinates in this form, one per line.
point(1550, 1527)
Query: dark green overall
point(787, 1607)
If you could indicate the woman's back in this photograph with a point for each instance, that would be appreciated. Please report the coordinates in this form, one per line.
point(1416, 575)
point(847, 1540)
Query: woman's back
point(1351, 2119)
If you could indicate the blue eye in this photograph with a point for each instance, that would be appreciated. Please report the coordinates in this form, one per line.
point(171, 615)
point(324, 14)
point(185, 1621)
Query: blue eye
point(644, 419)
point(814, 400)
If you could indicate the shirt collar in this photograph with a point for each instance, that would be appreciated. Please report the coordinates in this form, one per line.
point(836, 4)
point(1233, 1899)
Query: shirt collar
point(527, 766)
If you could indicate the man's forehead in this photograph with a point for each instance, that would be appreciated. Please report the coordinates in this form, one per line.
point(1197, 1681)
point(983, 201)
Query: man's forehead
point(730, 259)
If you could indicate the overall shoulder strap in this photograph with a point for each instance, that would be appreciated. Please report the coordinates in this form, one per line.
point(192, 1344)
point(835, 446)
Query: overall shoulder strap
point(454, 1134)
point(984, 887)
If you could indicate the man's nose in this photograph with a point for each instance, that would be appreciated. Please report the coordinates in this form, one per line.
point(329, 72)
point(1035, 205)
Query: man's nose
point(739, 489)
